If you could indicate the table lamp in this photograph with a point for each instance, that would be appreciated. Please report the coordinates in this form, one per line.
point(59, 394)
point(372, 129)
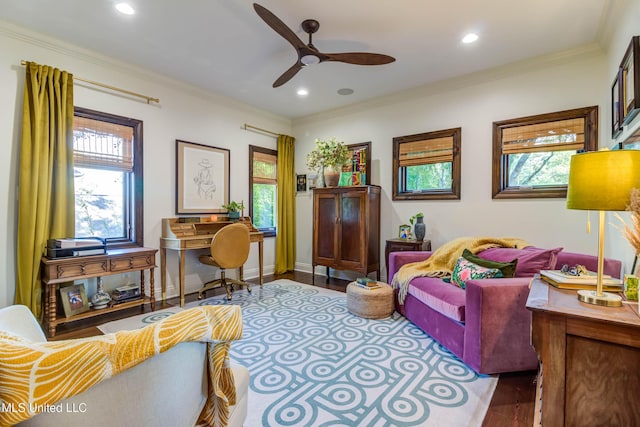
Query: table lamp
point(602, 181)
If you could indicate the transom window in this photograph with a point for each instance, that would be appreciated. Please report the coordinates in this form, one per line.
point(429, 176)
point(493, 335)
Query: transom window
point(427, 165)
point(531, 155)
point(263, 192)
point(107, 155)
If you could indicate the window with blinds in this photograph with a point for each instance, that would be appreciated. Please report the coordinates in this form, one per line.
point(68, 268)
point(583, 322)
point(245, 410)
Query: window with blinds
point(263, 188)
point(107, 160)
point(531, 155)
point(427, 165)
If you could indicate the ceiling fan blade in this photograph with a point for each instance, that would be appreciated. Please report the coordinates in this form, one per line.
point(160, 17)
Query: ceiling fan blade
point(288, 75)
point(278, 26)
point(360, 58)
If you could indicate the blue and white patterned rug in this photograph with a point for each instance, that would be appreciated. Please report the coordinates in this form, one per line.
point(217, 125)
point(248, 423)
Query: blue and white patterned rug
point(312, 363)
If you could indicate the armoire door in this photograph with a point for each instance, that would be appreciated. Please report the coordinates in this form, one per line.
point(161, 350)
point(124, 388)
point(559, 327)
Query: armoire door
point(325, 229)
point(351, 239)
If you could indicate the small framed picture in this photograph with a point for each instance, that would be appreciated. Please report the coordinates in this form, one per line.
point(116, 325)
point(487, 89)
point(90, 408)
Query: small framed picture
point(616, 110)
point(630, 81)
point(74, 300)
point(301, 183)
point(404, 231)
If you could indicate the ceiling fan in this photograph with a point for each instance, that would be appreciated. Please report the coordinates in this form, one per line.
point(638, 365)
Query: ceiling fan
point(307, 53)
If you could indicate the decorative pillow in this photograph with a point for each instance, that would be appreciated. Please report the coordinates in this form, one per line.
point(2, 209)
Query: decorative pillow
point(466, 270)
point(508, 269)
point(530, 259)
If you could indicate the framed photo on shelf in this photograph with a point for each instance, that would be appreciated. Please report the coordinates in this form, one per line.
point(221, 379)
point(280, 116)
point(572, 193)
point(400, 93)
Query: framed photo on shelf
point(404, 231)
point(202, 178)
point(74, 300)
point(358, 170)
point(616, 110)
point(630, 81)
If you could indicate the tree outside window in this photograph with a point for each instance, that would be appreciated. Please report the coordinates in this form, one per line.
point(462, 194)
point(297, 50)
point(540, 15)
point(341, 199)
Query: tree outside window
point(263, 189)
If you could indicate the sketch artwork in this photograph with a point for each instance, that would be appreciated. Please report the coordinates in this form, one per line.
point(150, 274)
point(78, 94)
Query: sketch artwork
point(204, 181)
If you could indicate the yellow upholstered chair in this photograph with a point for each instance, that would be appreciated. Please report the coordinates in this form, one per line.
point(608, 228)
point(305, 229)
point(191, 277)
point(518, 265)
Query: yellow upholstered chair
point(229, 249)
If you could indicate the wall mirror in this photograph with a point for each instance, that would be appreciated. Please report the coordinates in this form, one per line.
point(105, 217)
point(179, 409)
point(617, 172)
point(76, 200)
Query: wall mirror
point(426, 166)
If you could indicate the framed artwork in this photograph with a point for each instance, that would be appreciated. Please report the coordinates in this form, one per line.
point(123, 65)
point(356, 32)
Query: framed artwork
point(630, 81)
point(301, 183)
point(358, 170)
point(202, 178)
point(404, 231)
point(74, 300)
point(616, 90)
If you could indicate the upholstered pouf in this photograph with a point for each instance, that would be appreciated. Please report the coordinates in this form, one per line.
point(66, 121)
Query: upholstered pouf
point(370, 303)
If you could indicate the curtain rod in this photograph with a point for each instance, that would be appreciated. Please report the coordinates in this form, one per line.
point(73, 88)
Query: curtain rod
point(149, 99)
point(247, 127)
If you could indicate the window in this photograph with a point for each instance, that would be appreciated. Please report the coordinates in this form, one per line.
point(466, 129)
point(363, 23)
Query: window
point(263, 189)
point(427, 165)
point(531, 155)
point(107, 155)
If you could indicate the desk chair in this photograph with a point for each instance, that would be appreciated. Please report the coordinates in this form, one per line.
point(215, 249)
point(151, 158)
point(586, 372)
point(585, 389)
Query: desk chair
point(229, 249)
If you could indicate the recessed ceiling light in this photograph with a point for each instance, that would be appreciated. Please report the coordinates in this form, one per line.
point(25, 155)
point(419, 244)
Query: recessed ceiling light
point(125, 8)
point(345, 91)
point(470, 38)
point(302, 92)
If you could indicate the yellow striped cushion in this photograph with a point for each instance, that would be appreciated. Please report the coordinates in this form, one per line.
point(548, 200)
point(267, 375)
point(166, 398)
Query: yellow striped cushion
point(35, 374)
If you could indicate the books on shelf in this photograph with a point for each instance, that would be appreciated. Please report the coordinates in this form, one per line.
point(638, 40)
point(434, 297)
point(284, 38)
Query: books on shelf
point(587, 281)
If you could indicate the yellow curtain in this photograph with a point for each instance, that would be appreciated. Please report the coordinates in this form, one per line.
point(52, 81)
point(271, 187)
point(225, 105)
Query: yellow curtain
point(46, 194)
point(286, 235)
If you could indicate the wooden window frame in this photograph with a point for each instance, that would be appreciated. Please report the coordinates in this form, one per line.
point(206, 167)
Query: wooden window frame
point(135, 211)
point(500, 190)
point(268, 232)
point(399, 175)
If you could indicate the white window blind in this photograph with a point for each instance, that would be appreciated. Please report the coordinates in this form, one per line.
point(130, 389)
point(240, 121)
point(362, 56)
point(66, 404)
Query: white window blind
point(99, 143)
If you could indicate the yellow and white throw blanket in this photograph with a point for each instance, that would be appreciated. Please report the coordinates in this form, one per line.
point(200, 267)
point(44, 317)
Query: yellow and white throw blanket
point(443, 260)
point(36, 374)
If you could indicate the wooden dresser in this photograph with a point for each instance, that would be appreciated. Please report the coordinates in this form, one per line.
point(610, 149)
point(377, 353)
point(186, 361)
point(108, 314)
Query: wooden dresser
point(346, 228)
point(589, 355)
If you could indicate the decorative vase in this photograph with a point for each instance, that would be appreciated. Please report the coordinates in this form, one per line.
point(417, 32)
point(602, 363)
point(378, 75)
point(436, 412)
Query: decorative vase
point(234, 215)
point(331, 176)
point(320, 179)
point(419, 228)
point(100, 299)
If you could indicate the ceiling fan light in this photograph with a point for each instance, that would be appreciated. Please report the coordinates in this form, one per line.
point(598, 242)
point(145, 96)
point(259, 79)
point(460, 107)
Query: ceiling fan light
point(309, 60)
point(125, 8)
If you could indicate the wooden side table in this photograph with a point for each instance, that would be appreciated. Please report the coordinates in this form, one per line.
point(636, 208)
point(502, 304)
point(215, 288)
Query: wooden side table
point(400, 245)
point(62, 270)
point(589, 358)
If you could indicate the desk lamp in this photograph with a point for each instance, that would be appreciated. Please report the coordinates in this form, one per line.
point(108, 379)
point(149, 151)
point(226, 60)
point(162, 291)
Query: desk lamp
point(602, 181)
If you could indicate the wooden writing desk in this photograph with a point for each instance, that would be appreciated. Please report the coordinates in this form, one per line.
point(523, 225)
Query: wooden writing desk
point(190, 233)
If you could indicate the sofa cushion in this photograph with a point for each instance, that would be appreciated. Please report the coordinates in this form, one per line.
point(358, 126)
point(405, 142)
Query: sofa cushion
point(467, 270)
point(530, 259)
point(442, 297)
point(508, 269)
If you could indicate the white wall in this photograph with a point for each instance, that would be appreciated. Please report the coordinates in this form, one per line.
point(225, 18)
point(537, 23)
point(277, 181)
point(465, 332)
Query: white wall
point(183, 113)
point(544, 85)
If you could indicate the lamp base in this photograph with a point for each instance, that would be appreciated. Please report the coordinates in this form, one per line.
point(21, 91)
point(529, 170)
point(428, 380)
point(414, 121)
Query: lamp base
point(606, 299)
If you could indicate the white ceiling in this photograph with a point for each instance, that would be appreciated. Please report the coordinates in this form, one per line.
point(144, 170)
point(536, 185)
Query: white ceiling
point(223, 46)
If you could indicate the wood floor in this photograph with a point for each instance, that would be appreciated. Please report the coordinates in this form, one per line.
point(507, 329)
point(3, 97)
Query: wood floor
point(512, 403)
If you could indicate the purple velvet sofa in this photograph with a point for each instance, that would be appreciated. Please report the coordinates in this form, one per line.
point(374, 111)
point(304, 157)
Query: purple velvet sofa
point(487, 325)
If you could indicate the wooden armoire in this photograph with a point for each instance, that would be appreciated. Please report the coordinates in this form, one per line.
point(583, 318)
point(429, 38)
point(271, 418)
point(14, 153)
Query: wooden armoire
point(346, 228)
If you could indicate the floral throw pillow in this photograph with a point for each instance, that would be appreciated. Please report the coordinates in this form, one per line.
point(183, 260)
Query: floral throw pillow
point(467, 270)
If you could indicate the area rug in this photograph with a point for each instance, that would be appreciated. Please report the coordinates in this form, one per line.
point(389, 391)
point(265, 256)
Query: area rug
point(312, 363)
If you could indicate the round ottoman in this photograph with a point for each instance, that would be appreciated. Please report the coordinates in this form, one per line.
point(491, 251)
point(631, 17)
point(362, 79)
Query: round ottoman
point(370, 303)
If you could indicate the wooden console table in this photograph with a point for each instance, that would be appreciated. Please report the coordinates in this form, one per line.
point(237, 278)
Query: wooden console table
point(589, 358)
point(119, 261)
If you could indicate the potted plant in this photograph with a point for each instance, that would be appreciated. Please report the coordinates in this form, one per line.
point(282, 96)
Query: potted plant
point(419, 228)
point(328, 158)
point(233, 208)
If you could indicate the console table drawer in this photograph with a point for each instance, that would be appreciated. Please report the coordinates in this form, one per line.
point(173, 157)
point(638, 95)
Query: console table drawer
point(129, 263)
point(76, 269)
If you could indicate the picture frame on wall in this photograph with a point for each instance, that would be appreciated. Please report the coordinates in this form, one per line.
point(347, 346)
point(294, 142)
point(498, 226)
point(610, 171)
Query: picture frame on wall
point(301, 183)
point(616, 110)
point(202, 178)
point(74, 299)
point(358, 170)
point(630, 81)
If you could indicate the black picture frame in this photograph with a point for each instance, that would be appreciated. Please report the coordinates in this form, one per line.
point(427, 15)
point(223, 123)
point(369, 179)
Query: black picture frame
point(301, 183)
point(194, 193)
point(616, 107)
point(630, 82)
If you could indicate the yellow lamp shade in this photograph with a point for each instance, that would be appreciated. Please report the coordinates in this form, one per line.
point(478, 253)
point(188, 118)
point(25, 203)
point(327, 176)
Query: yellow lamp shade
point(603, 180)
